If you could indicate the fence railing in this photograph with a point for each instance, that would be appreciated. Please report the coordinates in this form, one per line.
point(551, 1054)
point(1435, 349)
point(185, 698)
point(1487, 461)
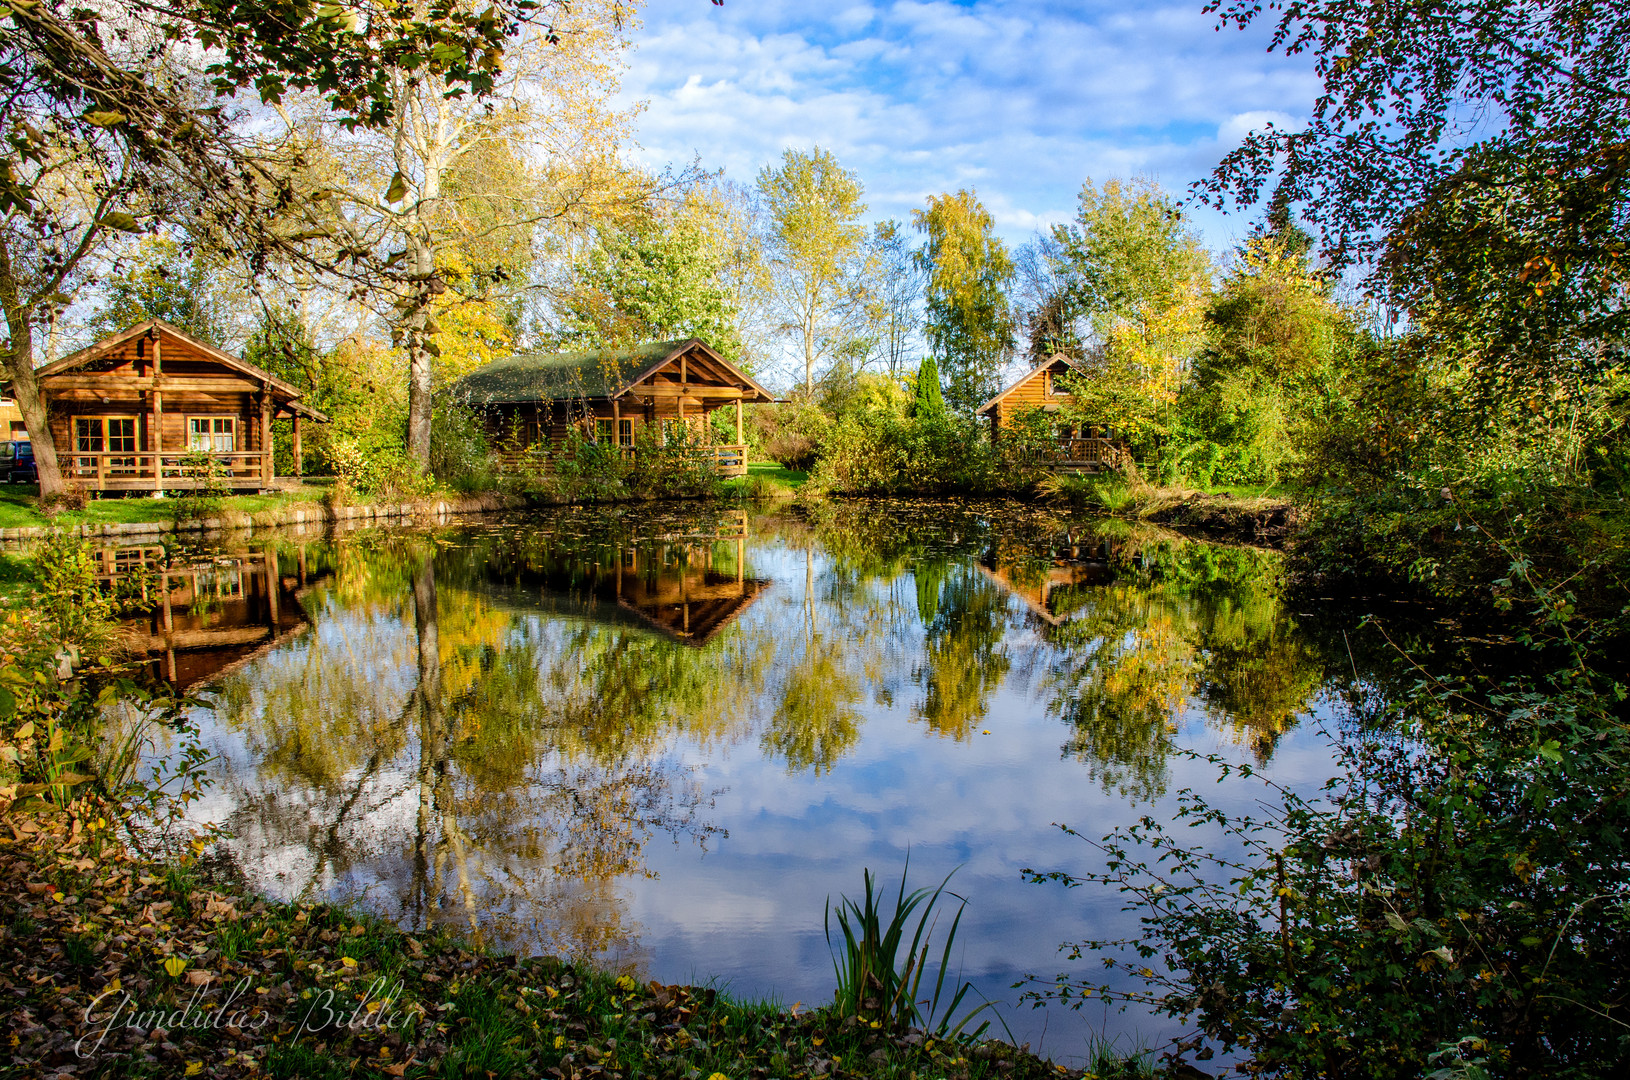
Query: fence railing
point(1090, 451)
point(726, 460)
point(104, 466)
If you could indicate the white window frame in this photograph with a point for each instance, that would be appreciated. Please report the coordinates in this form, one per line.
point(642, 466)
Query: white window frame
point(211, 436)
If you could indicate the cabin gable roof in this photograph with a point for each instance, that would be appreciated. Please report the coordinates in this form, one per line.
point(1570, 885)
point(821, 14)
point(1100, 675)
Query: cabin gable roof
point(528, 378)
point(1056, 363)
point(113, 343)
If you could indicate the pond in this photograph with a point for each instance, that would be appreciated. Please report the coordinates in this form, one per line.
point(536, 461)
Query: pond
point(662, 739)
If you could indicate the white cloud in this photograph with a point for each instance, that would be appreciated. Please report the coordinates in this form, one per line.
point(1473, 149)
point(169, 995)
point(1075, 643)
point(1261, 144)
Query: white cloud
point(1022, 99)
point(1232, 132)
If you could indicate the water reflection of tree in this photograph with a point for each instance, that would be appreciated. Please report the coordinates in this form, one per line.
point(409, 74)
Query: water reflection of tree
point(1181, 624)
point(964, 657)
point(816, 720)
point(376, 725)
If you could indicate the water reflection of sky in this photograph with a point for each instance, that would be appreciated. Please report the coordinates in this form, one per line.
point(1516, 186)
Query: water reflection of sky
point(532, 805)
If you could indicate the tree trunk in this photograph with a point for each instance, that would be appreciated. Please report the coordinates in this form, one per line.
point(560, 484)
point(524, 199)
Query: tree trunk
point(418, 432)
point(25, 387)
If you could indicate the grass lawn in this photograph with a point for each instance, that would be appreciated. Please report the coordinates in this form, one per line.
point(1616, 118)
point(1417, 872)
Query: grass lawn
point(766, 479)
point(19, 507)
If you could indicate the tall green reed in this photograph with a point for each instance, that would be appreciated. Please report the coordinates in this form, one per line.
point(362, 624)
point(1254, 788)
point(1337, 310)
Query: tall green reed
point(879, 984)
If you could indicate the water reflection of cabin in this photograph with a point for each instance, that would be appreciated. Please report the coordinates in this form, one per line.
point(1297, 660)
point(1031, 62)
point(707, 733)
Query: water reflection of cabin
point(126, 410)
point(1043, 388)
point(207, 617)
point(1054, 588)
point(614, 396)
point(674, 588)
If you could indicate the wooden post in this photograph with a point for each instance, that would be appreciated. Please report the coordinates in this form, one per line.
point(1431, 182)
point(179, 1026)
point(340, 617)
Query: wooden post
point(738, 423)
point(274, 583)
point(266, 436)
point(157, 434)
point(299, 465)
point(617, 423)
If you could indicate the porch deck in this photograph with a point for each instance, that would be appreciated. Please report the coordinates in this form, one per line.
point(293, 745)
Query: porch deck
point(115, 471)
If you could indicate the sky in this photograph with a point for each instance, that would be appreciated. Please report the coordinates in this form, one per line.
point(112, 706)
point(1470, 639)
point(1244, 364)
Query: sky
point(1021, 100)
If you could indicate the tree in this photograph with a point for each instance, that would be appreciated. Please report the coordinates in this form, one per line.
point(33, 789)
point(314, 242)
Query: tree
point(657, 278)
point(111, 128)
point(928, 402)
point(164, 283)
point(968, 321)
point(1276, 352)
point(814, 206)
point(1401, 76)
point(1049, 311)
point(443, 195)
point(1138, 273)
point(1501, 240)
point(892, 296)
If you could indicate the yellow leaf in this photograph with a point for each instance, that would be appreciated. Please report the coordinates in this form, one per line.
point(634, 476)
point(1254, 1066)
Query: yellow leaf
point(194, 1068)
point(348, 961)
point(560, 1041)
point(625, 983)
point(397, 190)
point(25, 731)
point(175, 966)
point(104, 119)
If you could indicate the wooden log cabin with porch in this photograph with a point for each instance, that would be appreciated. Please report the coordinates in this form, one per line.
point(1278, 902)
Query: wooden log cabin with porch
point(1041, 388)
point(616, 395)
point(126, 411)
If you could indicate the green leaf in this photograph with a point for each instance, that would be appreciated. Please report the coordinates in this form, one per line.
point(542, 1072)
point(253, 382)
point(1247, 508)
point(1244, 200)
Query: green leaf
point(121, 221)
point(104, 119)
point(1396, 923)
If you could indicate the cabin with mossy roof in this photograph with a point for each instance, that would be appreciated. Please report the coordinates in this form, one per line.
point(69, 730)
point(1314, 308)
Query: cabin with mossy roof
point(661, 393)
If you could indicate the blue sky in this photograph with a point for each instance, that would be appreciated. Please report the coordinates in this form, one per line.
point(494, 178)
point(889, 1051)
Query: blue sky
point(1020, 99)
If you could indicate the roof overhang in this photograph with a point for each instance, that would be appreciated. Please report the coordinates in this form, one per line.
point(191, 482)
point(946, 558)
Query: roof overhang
point(1056, 358)
point(760, 394)
point(156, 327)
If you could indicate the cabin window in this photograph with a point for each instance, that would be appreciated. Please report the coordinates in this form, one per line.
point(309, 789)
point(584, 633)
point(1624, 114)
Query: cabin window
point(212, 434)
point(602, 431)
point(625, 433)
point(112, 436)
point(1053, 388)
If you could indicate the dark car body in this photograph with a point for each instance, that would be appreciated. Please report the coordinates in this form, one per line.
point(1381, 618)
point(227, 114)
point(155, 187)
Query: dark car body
point(17, 462)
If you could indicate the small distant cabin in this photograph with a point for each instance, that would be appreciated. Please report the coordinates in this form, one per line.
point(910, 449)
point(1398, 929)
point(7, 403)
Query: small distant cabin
point(666, 390)
point(127, 411)
point(1078, 446)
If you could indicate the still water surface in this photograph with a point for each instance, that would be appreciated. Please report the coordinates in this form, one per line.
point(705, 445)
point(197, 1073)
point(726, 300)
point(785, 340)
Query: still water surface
point(660, 740)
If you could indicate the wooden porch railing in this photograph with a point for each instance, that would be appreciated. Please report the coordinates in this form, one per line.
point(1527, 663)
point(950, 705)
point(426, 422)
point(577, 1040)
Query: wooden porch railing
point(726, 460)
point(1090, 451)
point(105, 468)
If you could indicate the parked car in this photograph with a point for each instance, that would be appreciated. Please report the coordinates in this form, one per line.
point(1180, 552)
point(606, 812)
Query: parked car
point(17, 463)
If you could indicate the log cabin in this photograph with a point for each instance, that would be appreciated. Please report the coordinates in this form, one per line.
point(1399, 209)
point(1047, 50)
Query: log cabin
point(1041, 388)
point(126, 411)
point(665, 390)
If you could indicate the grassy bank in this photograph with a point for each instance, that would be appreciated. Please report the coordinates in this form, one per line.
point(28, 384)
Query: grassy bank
point(766, 480)
point(20, 507)
point(181, 976)
point(1265, 515)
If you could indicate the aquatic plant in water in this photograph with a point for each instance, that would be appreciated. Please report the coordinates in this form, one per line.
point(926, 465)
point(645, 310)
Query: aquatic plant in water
point(879, 985)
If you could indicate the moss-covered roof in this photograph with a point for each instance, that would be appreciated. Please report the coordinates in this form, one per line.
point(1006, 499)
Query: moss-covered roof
point(526, 377)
